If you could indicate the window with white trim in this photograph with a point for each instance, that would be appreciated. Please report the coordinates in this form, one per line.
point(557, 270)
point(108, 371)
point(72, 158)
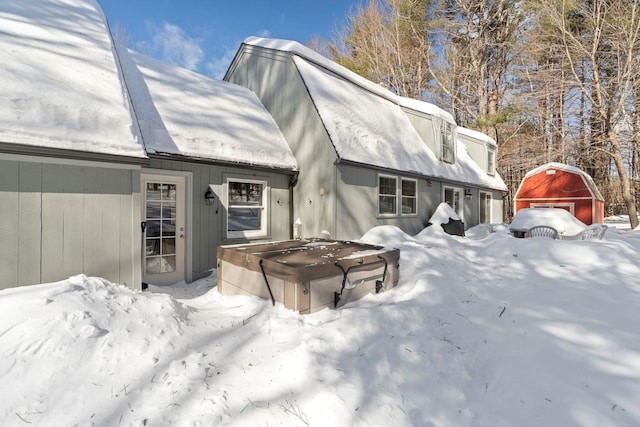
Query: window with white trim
point(447, 153)
point(246, 208)
point(397, 196)
point(409, 196)
point(491, 160)
point(387, 195)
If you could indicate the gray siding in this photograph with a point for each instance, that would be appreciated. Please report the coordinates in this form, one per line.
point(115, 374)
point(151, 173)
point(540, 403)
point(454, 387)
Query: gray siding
point(358, 203)
point(477, 150)
point(274, 78)
point(59, 220)
point(423, 124)
point(208, 223)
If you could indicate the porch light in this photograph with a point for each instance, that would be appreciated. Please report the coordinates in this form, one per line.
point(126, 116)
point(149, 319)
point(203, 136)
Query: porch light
point(209, 197)
point(467, 193)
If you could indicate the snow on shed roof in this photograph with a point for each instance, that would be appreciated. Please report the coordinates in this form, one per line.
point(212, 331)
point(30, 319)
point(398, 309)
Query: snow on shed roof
point(567, 168)
point(59, 79)
point(367, 124)
point(184, 113)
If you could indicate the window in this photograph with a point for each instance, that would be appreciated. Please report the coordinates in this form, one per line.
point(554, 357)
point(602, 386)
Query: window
point(387, 195)
point(446, 142)
point(491, 160)
point(485, 208)
point(409, 196)
point(247, 208)
point(397, 196)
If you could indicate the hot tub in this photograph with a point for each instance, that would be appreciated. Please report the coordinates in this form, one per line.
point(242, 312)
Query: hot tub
point(307, 275)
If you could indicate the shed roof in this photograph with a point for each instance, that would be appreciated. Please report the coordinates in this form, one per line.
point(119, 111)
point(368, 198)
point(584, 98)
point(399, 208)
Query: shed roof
point(184, 113)
point(590, 184)
point(59, 80)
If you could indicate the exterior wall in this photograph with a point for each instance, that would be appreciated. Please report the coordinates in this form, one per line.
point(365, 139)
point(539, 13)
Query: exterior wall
point(277, 83)
point(477, 150)
point(357, 196)
point(561, 189)
point(424, 126)
point(208, 223)
point(333, 199)
point(59, 218)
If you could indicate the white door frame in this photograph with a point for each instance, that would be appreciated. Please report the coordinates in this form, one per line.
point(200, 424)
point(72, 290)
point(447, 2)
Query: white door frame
point(186, 205)
point(460, 192)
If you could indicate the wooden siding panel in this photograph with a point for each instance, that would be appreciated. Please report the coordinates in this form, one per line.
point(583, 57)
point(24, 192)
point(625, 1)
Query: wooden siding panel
point(53, 205)
point(129, 230)
point(29, 225)
point(73, 218)
point(208, 222)
point(9, 214)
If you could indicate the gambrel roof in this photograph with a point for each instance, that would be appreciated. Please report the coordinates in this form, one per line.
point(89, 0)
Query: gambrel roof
point(367, 124)
point(66, 86)
point(182, 113)
point(60, 81)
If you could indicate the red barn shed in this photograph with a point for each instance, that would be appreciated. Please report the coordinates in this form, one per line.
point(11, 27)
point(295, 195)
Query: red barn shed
point(556, 185)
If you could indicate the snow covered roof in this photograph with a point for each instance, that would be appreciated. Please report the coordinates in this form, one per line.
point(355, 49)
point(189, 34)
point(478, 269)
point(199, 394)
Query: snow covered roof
point(59, 79)
point(567, 168)
point(476, 135)
point(184, 113)
point(367, 123)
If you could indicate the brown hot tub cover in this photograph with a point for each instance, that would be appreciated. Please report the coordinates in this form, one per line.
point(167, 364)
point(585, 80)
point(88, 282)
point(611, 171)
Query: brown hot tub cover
point(308, 264)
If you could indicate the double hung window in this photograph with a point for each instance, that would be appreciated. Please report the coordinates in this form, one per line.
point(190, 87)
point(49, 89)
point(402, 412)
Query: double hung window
point(246, 208)
point(397, 196)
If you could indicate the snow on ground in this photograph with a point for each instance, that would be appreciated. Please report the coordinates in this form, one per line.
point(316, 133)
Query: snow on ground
point(483, 330)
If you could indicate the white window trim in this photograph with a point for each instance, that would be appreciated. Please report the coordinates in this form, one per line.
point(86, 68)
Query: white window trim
point(384, 214)
point(450, 142)
point(398, 195)
point(248, 234)
point(415, 181)
point(492, 170)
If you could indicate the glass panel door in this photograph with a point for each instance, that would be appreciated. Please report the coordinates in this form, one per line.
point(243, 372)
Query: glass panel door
point(160, 240)
point(164, 232)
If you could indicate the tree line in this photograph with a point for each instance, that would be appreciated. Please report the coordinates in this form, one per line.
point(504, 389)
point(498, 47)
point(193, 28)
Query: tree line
point(549, 80)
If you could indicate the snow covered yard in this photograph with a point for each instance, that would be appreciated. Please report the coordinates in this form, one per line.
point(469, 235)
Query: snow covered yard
point(483, 330)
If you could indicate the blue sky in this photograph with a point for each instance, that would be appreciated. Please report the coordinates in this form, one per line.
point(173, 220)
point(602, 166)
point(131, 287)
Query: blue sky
point(203, 35)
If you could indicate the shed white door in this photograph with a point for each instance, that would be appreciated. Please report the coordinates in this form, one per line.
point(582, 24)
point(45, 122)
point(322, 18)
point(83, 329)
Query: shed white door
point(163, 213)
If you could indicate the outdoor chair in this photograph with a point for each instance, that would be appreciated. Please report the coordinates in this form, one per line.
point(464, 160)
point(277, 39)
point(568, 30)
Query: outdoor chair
point(542, 231)
point(593, 231)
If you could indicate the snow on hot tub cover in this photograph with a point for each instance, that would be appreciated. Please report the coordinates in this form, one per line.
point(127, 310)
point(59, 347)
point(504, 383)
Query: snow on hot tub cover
point(306, 259)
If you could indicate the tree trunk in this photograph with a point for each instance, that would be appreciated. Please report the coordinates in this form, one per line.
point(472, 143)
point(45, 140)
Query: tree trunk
point(625, 183)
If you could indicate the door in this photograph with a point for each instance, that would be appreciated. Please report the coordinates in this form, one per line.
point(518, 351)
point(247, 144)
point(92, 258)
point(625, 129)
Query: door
point(453, 197)
point(163, 215)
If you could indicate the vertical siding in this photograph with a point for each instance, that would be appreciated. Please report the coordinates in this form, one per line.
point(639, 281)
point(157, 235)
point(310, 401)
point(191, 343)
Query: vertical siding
point(29, 226)
point(477, 150)
point(424, 126)
point(208, 222)
point(62, 220)
point(9, 214)
point(276, 82)
point(358, 203)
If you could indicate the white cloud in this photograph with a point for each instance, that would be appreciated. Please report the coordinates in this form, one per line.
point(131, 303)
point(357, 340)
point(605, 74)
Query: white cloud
point(171, 44)
point(217, 67)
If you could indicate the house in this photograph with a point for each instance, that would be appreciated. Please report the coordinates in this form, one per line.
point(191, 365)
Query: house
point(119, 166)
point(556, 185)
point(366, 156)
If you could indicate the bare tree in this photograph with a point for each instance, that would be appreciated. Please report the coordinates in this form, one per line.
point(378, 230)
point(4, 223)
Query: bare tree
point(600, 41)
point(386, 42)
